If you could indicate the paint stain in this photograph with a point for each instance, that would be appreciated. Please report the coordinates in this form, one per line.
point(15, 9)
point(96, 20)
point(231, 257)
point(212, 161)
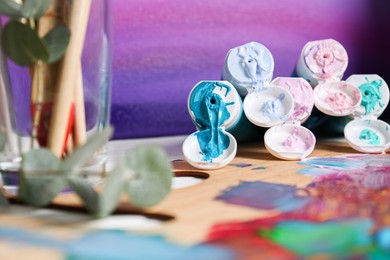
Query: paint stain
point(241, 165)
point(259, 168)
point(265, 196)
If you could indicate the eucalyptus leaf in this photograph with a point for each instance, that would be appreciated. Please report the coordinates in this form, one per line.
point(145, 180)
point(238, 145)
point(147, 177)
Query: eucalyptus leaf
point(22, 44)
point(10, 8)
point(57, 41)
point(87, 194)
point(151, 175)
point(40, 160)
point(81, 155)
point(40, 190)
point(34, 8)
point(3, 201)
point(41, 179)
point(111, 193)
point(2, 141)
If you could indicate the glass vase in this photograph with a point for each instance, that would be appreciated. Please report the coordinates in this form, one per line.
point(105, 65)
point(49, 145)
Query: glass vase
point(31, 97)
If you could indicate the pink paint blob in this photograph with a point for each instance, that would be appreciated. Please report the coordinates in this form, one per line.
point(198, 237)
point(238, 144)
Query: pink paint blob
point(295, 142)
point(302, 93)
point(326, 58)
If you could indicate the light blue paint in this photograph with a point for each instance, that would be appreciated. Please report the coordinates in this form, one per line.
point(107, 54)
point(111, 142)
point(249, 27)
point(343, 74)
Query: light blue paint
point(115, 245)
point(273, 109)
point(371, 95)
point(210, 113)
point(382, 239)
point(334, 162)
point(369, 137)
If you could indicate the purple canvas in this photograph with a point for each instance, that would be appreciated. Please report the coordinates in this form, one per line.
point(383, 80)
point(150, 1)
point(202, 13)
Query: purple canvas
point(163, 48)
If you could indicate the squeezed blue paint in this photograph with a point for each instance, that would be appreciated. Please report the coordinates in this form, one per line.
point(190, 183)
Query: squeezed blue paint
point(371, 95)
point(273, 108)
point(114, 245)
point(265, 196)
point(210, 113)
point(369, 137)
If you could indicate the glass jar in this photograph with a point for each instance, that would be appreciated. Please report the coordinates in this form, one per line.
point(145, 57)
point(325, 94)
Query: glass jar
point(58, 105)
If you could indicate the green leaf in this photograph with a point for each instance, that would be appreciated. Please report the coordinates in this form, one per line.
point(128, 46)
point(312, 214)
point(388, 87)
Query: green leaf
point(81, 155)
point(111, 193)
point(4, 203)
point(99, 204)
point(10, 8)
point(57, 41)
point(41, 179)
point(87, 194)
point(34, 8)
point(150, 175)
point(22, 44)
point(37, 161)
point(2, 141)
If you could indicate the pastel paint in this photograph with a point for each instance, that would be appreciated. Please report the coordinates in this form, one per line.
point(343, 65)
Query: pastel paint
point(265, 196)
point(294, 142)
point(210, 113)
point(302, 93)
point(321, 60)
point(274, 109)
point(371, 95)
point(369, 137)
point(248, 66)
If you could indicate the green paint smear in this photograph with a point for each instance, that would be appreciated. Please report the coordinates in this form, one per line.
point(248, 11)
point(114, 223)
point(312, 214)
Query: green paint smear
point(334, 237)
point(370, 137)
point(371, 95)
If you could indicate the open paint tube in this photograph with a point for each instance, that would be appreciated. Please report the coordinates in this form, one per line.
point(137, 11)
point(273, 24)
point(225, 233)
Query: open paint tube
point(283, 106)
point(322, 63)
point(247, 66)
point(213, 106)
point(366, 133)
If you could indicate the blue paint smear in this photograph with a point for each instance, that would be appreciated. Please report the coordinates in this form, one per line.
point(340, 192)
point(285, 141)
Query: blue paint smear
point(371, 95)
point(210, 114)
point(265, 196)
point(338, 164)
point(115, 245)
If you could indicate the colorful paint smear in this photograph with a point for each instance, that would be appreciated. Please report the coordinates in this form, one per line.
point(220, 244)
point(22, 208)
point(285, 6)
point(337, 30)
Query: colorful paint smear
point(369, 171)
point(346, 214)
point(262, 195)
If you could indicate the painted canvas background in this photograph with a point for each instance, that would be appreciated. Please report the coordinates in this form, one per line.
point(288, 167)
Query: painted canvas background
point(162, 48)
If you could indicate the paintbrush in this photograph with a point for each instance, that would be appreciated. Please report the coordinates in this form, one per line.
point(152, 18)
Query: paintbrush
point(63, 106)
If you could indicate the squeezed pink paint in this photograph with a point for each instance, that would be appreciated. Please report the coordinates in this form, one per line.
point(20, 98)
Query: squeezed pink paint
point(326, 58)
point(302, 93)
point(295, 143)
